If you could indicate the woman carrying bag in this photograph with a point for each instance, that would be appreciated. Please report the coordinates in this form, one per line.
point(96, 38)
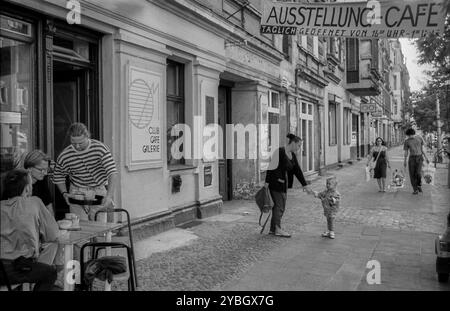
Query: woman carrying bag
point(279, 177)
point(379, 153)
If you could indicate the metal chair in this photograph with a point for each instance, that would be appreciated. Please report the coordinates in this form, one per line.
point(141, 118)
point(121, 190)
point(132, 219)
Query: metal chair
point(116, 238)
point(95, 246)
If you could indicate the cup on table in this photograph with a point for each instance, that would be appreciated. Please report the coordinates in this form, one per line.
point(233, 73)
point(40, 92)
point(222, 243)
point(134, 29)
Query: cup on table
point(70, 216)
point(76, 222)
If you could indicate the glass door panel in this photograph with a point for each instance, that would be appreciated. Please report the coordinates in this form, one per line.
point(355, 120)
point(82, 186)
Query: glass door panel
point(16, 100)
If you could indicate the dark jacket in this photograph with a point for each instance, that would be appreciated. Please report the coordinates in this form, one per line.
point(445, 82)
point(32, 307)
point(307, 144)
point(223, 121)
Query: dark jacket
point(284, 173)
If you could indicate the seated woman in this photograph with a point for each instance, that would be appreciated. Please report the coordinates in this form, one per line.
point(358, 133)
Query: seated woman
point(36, 162)
point(28, 230)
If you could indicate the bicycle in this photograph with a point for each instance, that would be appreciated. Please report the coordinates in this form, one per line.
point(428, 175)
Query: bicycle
point(440, 155)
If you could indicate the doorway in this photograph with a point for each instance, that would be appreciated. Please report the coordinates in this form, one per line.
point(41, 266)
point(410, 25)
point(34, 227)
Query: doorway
point(307, 135)
point(75, 96)
point(225, 165)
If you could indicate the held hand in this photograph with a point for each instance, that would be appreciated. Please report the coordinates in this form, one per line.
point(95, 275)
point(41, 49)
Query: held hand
point(266, 185)
point(404, 164)
point(107, 202)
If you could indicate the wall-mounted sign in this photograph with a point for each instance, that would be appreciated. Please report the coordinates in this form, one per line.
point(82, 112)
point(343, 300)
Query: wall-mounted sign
point(368, 107)
point(377, 114)
point(10, 117)
point(145, 133)
point(354, 139)
point(207, 176)
point(371, 19)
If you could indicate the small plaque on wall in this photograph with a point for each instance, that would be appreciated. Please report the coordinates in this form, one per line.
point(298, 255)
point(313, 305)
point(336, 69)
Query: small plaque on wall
point(207, 176)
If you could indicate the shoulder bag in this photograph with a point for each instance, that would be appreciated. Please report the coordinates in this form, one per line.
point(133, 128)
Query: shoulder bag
point(264, 203)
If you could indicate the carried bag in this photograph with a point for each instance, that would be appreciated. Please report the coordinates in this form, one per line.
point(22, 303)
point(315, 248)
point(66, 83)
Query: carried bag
point(428, 174)
point(371, 167)
point(264, 203)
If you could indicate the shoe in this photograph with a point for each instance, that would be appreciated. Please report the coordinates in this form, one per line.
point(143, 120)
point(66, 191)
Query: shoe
point(272, 232)
point(416, 192)
point(331, 236)
point(419, 189)
point(326, 234)
point(281, 233)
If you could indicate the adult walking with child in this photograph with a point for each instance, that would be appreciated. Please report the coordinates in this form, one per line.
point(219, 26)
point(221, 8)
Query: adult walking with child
point(280, 176)
point(380, 155)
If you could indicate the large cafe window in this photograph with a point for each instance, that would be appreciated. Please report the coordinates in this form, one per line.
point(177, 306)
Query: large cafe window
point(17, 59)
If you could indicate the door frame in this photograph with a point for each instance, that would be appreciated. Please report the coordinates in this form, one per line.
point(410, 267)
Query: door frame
point(227, 162)
point(59, 29)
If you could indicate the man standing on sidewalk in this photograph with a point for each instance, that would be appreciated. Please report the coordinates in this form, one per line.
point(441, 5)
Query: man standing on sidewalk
point(90, 167)
point(414, 145)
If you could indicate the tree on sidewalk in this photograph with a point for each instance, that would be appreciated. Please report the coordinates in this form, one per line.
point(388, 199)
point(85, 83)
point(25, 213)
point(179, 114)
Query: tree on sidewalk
point(434, 50)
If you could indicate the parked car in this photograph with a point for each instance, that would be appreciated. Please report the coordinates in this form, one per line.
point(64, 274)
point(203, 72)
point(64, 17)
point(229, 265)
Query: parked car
point(442, 248)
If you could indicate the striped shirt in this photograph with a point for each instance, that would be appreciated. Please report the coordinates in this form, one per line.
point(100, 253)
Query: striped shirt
point(88, 168)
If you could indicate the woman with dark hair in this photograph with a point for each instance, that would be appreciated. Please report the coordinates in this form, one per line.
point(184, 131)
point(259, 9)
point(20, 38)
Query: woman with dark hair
point(379, 154)
point(279, 177)
point(28, 233)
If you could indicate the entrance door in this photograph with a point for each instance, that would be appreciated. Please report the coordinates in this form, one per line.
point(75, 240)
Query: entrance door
point(70, 104)
point(225, 165)
point(75, 97)
point(69, 101)
point(307, 134)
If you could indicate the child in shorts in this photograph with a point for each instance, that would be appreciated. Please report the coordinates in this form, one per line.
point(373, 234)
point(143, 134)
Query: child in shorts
point(330, 198)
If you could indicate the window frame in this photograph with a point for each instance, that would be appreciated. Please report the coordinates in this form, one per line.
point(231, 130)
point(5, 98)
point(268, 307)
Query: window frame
point(272, 110)
point(179, 99)
point(332, 141)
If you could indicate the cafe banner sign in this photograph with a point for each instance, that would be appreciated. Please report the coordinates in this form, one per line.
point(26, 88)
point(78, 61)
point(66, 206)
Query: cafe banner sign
point(368, 19)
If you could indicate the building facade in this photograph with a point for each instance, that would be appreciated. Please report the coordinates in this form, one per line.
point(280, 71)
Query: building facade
point(135, 71)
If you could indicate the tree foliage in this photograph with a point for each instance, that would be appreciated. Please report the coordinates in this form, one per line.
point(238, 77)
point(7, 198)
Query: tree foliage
point(435, 51)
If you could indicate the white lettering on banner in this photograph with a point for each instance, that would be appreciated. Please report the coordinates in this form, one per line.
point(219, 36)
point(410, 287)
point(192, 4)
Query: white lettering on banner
point(387, 19)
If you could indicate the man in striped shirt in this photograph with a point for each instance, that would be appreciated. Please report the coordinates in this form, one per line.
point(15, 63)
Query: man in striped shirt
point(90, 167)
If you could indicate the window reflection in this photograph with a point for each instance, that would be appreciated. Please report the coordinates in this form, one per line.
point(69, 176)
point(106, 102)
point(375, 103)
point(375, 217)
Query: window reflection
point(16, 88)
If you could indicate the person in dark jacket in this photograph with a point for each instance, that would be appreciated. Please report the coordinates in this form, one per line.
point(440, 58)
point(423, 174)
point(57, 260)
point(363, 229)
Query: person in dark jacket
point(279, 177)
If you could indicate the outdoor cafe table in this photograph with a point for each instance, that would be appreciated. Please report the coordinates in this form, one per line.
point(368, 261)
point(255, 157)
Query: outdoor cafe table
point(89, 230)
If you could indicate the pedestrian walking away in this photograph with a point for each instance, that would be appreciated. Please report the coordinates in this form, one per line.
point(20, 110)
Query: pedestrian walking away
point(413, 148)
point(379, 153)
point(330, 198)
point(279, 177)
point(90, 167)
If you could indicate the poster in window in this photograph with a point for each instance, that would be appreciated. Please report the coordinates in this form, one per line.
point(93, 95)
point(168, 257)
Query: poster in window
point(145, 134)
point(207, 176)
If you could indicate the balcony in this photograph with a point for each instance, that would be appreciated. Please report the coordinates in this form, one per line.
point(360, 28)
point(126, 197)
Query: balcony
point(310, 68)
point(362, 86)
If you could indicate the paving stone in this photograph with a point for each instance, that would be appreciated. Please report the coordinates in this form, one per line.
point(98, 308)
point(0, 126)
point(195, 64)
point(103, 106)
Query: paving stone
point(228, 253)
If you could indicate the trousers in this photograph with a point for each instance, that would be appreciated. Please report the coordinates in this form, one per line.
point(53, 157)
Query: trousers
point(279, 205)
point(43, 270)
point(415, 171)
